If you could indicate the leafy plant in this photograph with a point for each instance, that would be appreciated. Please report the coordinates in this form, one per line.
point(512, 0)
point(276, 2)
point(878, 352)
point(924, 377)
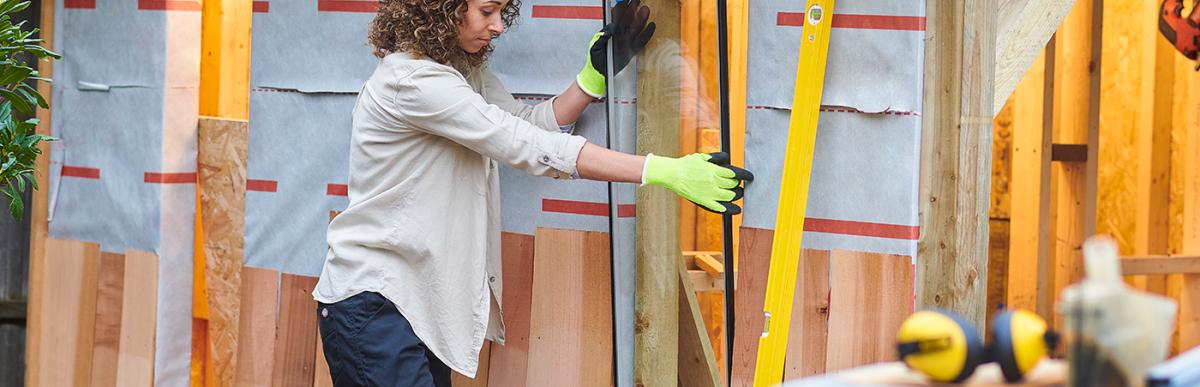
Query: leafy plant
point(18, 139)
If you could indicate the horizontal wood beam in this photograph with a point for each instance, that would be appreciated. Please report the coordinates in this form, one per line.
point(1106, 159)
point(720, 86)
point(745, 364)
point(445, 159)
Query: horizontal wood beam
point(1160, 264)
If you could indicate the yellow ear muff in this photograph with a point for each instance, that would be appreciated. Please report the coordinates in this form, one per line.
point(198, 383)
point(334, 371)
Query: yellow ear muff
point(941, 345)
point(1021, 341)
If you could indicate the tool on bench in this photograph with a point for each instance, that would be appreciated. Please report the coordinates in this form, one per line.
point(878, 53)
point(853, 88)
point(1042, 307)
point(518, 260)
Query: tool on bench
point(945, 347)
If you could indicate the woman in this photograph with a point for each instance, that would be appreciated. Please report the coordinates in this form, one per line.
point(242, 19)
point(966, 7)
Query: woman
point(411, 281)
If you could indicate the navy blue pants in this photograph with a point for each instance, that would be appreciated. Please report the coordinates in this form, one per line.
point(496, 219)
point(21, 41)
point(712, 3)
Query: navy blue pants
point(368, 343)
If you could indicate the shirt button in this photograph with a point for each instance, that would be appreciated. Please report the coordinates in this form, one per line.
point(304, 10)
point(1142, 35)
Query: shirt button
point(545, 159)
point(492, 279)
point(324, 312)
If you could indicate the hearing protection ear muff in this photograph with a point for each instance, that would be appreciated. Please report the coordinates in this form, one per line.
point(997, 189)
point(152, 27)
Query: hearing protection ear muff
point(940, 344)
point(945, 347)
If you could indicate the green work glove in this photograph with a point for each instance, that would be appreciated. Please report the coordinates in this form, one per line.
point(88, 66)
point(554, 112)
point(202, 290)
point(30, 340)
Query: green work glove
point(705, 179)
point(628, 33)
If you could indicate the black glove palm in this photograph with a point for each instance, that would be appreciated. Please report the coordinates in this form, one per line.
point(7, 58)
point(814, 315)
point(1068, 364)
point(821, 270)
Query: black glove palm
point(628, 32)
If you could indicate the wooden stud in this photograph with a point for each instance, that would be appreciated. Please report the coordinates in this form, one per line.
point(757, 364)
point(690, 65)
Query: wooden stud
point(1025, 27)
point(570, 327)
point(481, 374)
point(709, 264)
point(956, 156)
point(109, 297)
point(810, 317)
point(38, 217)
point(256, 349)
point(656, 333)
point(1160, 264)
point(1189, 301)
point(748, 302)
point(870, 297)
point(509, 361)
point(139, 303)
point(1029, 248)
point(222, 156)
point(697, 363)
point(1076, 121)
point(225, 63)
point(295, 337)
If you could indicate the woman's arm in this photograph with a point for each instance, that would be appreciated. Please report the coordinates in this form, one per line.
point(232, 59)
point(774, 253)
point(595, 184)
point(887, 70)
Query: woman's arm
point(596, 163)
point(570, 104)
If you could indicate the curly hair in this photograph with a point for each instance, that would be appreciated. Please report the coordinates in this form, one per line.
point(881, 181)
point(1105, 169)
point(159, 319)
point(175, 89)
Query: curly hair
point(429, 27)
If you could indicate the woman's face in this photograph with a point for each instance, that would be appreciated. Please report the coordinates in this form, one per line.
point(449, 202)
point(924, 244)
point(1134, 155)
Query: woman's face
point(480, 24)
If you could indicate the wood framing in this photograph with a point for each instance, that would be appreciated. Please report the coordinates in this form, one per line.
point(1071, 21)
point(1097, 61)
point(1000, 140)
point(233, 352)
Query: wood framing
point(956, 157)
point(1153, 217)
point(697, 365)
point(1029, 249)
point(1189, 301)
point(1160, 264)
point(1025, 27)
point(38, 215)
point(656, 307)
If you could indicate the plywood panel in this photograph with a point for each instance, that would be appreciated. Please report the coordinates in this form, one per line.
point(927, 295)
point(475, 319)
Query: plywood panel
point(222, 177)
point(481, 374)
point(754, 265)
point(296, 337)
point(570, 332)
point(259, 307)
point(810, 317)
point(59, 315)
point(109, 295)
point(139, 301)
point(869, 298)
point(509, 361)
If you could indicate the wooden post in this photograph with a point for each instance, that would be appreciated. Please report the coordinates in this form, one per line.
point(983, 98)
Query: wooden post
point(956, 156)
point(1153, 221)
point(656, 309)
point(38, 214)
point(1025, 27)
point(1189, 300)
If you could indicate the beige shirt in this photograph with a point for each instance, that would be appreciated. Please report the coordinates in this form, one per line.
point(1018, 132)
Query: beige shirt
point(423, 224)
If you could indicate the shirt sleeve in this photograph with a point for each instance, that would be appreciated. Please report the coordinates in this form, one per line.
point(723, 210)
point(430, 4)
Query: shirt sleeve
point(541, 114)
point(440, 102)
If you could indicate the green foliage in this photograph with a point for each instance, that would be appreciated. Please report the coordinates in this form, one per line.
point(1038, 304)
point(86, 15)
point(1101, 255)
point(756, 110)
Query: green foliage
point(18, 140)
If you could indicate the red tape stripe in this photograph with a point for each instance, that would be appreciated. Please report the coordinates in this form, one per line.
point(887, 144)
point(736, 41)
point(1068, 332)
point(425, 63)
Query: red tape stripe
point(169, 5)
point(79, 4)
point(586, 208)
point(83, 172)
point(568, 12)
point(864, 22)
point(261, 6)
point(170, 178)
point(867, 229)
point(347, 6)
point(262, 185)
point(336, 190)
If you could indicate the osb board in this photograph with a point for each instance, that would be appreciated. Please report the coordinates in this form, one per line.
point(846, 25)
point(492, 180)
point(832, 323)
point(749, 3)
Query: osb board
point(222, 153)
point(810, 317)
point(481, 375)
point(570, 328)
point(109, 296)
point(1127, 83)
point(256, 349)
point(139, 301)
point(64, 331)
point(753, 266)
point(509, 361)
point(296, 337)
point(870, 296)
